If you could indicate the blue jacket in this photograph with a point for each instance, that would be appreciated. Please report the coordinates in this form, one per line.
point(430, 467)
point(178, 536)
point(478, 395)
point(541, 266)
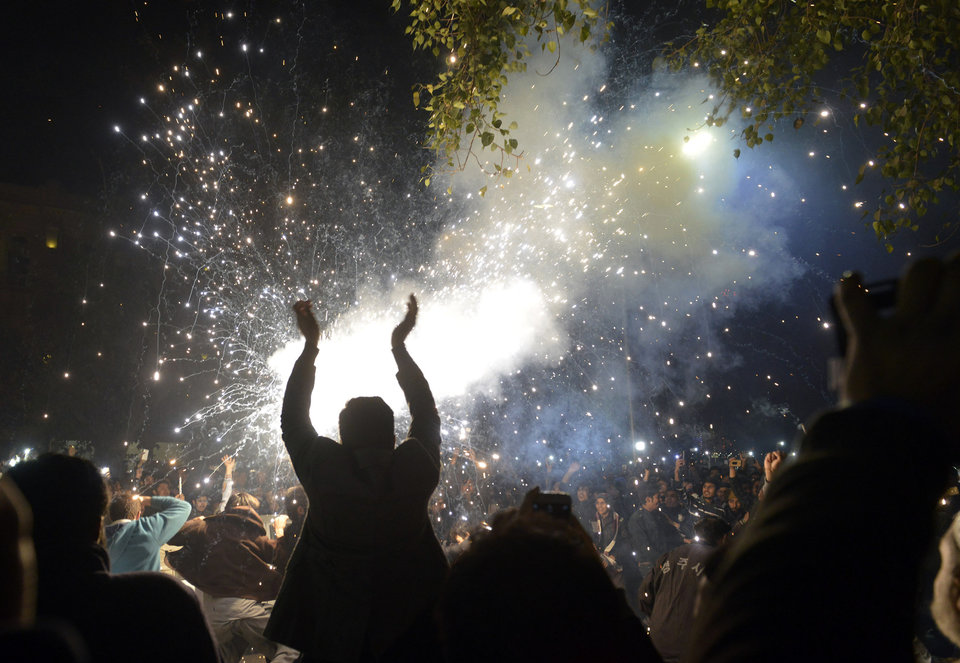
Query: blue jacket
point(134, 545)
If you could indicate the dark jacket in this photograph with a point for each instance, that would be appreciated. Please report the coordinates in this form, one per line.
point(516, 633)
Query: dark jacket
point(367, 564)
point(651, 535)
point(668, 595)
point(826, 574)
point(610, 535)
point(144, 616)
point(681, 515)
point(228, 555)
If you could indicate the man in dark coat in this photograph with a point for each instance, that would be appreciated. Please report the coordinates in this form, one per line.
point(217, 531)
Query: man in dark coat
point(651, 533)
point(368, 568)
point(668, 594)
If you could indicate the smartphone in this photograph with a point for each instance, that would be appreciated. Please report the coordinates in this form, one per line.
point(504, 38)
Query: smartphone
point(555, 504)
point(736, 462)
point(883, 295)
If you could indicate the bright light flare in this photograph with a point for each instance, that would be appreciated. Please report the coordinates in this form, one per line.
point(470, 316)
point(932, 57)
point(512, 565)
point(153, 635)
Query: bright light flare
point(506, 325)
point(698, 144)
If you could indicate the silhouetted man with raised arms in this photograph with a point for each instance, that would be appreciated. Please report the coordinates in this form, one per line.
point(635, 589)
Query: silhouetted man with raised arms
point(364, 576)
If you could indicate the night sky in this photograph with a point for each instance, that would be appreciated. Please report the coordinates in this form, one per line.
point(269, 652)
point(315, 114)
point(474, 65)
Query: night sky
point(246, 157)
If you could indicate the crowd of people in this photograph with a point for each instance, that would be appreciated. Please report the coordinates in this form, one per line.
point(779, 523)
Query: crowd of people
point(784, 558)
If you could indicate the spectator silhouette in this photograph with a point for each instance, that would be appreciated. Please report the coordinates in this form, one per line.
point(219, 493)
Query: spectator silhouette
point(668, 594)
point(147, 617)
point(21, 638)
point(533, 588)
point(364, 576)
point(802, 583)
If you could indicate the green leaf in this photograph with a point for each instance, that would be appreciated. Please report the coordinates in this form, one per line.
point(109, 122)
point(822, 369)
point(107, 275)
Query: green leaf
point(552, 46)
point(508, 11)
point(486, 138)
point(416, 99)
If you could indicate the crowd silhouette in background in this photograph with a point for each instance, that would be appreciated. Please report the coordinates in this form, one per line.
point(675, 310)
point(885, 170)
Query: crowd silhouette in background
point(844, 549)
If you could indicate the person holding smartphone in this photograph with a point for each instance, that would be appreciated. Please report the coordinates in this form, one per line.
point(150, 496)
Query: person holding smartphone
point(844, 589)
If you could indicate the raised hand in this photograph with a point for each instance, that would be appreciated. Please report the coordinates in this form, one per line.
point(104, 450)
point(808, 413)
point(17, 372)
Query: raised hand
point(913, 354)
point(401, 331)
point(771, 463)
point(229, 463)
point(306, 322)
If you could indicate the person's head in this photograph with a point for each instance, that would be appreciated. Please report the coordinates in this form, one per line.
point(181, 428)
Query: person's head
point(522, 583)
point(601, 501)
point(709, 489)
point(367, 421)
point(124, 506)
point(945, 606)
point(295, 504)
point(710, 530)
point(162, 488)
point(201, 502)
point(722, 492)
point(67, 496)
point(241, 498)
point(649, 496)
point(733, 501)
point(583, 493)
point(662, 487)
point(671, 499)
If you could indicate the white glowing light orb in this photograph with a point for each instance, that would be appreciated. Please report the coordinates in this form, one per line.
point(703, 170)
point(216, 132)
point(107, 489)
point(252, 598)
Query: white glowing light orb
point(640, 445)
point(698, 144)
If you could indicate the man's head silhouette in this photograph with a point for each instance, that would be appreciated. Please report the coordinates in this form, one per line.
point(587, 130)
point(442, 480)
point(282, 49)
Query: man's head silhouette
point(367, 422)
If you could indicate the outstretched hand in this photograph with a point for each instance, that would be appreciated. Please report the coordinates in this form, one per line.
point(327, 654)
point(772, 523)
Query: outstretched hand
point(307, 322)
point(771, 463)
point(913, 354)
point(401, 331)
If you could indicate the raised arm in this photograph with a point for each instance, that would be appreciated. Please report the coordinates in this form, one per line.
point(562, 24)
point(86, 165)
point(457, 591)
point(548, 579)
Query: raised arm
point(168, 520)
point(424, 419)
point(295, 417)
point(800, 567)
point(226, 490)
